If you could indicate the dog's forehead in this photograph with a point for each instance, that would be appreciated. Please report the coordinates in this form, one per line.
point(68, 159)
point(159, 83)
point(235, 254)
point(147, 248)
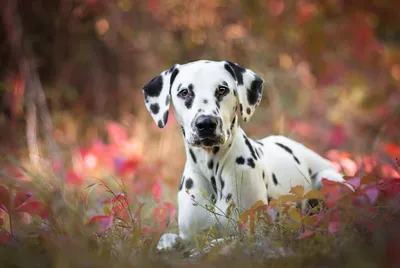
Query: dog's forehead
point(204, 74)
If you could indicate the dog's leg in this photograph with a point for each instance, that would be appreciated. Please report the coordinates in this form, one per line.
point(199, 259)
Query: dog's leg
point(194, 198)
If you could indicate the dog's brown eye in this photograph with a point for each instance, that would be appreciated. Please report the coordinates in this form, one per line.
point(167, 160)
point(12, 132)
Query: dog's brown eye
point(183, 93)
point(221, 90)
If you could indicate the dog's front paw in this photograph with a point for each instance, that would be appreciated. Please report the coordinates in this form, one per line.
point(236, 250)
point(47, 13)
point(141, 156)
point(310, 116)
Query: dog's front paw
point(167, 241)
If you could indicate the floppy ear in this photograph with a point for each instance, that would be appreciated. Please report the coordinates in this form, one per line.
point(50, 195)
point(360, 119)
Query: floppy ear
point(249, 88)
point(157, 95)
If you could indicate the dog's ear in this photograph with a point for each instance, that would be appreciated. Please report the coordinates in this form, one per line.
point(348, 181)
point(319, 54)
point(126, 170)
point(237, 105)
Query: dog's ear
point(157, 95)
point(249, 88)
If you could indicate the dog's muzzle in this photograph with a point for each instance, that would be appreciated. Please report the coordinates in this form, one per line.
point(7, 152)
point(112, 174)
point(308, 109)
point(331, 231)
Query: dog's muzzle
point(206, 128)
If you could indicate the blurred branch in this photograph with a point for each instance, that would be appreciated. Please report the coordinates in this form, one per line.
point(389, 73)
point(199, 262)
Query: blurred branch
point(35, 97)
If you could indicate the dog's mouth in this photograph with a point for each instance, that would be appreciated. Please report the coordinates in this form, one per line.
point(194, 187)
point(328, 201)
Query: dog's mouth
point(209, 141)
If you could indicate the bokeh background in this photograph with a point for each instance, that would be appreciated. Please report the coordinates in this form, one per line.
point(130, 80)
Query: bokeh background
point(71, 74)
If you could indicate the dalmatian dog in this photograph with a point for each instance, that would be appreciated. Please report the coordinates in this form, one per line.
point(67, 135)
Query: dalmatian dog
point(225, 168)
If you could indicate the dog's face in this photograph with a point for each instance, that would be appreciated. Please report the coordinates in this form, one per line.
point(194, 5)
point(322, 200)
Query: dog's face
point(206, 96)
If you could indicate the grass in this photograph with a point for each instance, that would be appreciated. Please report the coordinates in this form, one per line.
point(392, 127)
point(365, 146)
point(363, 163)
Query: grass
point(64, 239)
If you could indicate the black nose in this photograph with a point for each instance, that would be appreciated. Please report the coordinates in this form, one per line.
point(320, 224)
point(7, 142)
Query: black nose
point(206, 124)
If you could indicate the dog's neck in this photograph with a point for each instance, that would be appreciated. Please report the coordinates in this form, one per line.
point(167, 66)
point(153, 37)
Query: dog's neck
point(216, 154)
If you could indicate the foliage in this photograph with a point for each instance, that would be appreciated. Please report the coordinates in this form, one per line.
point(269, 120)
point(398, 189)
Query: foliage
point(332, 73)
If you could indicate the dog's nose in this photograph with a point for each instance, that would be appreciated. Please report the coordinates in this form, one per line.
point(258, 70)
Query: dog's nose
point(206, 124)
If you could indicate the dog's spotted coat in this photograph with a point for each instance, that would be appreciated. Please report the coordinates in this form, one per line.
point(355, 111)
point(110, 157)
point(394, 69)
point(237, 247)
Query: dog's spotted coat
point(224, 167)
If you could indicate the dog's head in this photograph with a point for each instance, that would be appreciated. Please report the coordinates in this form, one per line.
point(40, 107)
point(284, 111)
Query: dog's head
point(206, 96)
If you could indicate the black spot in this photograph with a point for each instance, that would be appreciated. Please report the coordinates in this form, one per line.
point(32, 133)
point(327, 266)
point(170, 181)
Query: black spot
point(210, 164)
point(228, 132)
point(263, 174)
point(230, 144)
point(160, 124)
point(314, 176)
point(247, 141)
point(248, 110)
point(233, 123)
point(205, 101)
point(218, 106)
point(189, 100)
point(213, 199)
point(181, 184)
point(269, 198)
point(274, 179)
point(234, 93)
point(183, 131)
point(240, 160)
point(172, 69)
point(193, 156)
point(287, 149)
point(257, 153)
point(250, 162)
point(309, 171)
point(189, 184)
point(222, 187)
point(165, 117)
point(154, 86)
point(173, 76)
point(230, 70)
point(215, 149)
point(296, 159)
point(200, 110)
point(155, 108)
point(190, 87)
point(228, 197)
point(259, 142)
point(238, 70)
point(241, 108)
point(214, 184)
point(266, 186)
point(254, 93)
point(216, 168)
point(167, 100)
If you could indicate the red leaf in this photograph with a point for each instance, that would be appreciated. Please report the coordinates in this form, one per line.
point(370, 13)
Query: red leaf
point(34, 207)
point(333, 227)
point(355, 182)
point(21, 198)
point(160, 217)
point(116, 133)
point(119, 206)
point(171, 210)
point(5, 238)
point(73, 178)
point(128, 166)
point(157, 192)
point(275, 7)
point(115, 199)
point(392, 149)
point(306, 233)
point(372, 193)
point(4, 198)
point(148, 230)
point(104, 220)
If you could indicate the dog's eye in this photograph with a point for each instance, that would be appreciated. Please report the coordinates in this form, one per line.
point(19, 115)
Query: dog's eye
point(183, 93)
point(222, 90)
